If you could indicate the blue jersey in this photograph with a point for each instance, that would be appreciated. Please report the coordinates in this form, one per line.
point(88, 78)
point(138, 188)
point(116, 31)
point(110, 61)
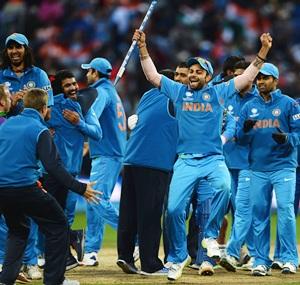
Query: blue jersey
point(217, 79)
point(280, 112)
point(229, 127)
point(33, 77)
point(199, 114)
point(152, 143)
point(236, 155)
point(110, 112)
point(18, 144)
point(69, 138)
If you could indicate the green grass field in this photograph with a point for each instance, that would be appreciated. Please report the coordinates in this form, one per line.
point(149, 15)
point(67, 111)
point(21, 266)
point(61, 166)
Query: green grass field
point(110, 237)
point(109, 273)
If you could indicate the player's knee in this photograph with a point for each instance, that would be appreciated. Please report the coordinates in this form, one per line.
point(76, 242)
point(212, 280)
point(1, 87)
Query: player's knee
point(174, 212)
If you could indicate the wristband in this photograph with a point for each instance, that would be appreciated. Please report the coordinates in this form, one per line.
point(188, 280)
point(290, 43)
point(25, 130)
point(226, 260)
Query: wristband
point(260, 58)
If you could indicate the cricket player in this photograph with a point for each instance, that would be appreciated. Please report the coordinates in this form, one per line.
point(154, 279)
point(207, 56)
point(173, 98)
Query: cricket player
point(199, 110)
point(19, 74)
point(106, 154)
point(236, 157)
point(270, 125)
point(149, 159)
point(22, 196)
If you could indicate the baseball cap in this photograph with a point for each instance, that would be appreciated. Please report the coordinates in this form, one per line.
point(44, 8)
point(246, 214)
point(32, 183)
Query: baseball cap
point(205, 64)
point(269, 69)
point(16, 37)
point(100, 64)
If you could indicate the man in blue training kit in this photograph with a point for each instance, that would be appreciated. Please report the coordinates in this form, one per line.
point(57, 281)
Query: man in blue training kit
point(145, 181)
point(70, 128)
point(22, 196)
point(199, 110)
point(270, 124)
point(106, 154)
point(236, 158)
point(277, 263)
point(19, 74)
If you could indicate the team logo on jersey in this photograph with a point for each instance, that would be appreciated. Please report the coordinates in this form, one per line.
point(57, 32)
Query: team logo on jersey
point(30, 84)
point(254, 113)
point(276, 112)
point(230, 109)
point(206, 97)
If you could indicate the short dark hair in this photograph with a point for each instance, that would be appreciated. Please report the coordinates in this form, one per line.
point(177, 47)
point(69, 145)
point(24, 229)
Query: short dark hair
point(28, 57)
point(168, 73)
point(182, 64)
point(58, 79)
point(242, 64)
point(230, 62)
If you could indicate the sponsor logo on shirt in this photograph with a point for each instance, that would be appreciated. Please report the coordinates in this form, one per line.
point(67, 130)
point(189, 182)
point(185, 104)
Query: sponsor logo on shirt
point(296, 117)
point(47, 87)
point(267, 123)
point(188, 96)
point(276, 112)
point(196, 107)
point(254, 112)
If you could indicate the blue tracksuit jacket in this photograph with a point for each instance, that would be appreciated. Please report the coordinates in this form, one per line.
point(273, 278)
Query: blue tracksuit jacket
point(110, 112)
point(236, 155)
point(280, 112)
point(69, 138)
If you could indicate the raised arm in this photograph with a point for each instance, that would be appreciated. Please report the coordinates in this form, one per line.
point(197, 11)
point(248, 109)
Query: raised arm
point(148, 66)
point(252, 70)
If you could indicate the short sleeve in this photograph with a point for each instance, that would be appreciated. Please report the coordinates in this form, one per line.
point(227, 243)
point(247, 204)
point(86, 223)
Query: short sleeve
point(44, 83)
point(225, 90)
point(170, 88)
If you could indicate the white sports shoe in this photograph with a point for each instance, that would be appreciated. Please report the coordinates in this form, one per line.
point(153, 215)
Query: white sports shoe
point(249, 265)
point(41, 261)
point(261, 270)
point(229, 263)
point(70, 282)
point(289, 268)
point(212, 247)
point(168, 264)
point(175, 271)
point(32, 272)
point(277, 264)
point(206, 269)
point(90, 259)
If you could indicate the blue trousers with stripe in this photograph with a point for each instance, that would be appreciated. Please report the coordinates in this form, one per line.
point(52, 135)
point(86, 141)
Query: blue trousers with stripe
point(187, 173)
point(242, 230)
point(262, 185)
point(105, 171)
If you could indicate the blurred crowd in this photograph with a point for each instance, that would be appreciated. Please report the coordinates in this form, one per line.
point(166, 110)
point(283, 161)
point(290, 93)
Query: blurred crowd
point(66, 33)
